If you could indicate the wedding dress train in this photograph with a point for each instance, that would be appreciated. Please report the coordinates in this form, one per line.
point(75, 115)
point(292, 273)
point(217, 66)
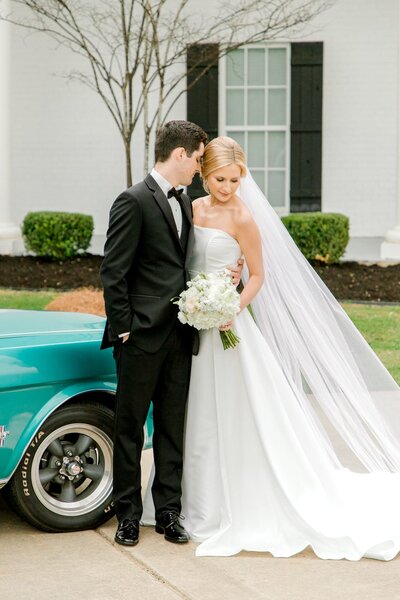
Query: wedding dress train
point(255, 477)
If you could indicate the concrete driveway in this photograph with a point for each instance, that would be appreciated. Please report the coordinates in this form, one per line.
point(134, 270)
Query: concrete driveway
point(89, 566)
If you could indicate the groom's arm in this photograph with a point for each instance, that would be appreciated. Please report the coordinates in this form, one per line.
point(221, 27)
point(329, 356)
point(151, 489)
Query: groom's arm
point(119, 252)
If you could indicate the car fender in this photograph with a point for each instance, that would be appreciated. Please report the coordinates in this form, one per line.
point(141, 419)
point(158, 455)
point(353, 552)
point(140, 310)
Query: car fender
point(30, 426)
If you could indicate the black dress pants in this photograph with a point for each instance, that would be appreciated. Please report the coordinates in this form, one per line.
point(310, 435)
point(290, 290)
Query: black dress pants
point(163, 378)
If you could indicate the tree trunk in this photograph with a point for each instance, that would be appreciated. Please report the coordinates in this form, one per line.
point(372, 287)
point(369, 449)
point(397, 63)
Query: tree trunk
point(128, 164)
point(146, 150)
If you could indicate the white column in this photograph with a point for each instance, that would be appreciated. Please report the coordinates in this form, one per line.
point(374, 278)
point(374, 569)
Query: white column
point(390, 248)
point(8, 230)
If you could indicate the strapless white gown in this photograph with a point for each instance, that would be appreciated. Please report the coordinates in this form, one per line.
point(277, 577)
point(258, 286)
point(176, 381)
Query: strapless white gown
point(254, 477)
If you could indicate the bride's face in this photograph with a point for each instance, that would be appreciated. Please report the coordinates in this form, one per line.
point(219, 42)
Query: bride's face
point(224, 182)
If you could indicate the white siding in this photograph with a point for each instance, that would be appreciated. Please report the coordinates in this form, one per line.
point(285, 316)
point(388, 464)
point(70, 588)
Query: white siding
point(360, 114)
point(67, 153)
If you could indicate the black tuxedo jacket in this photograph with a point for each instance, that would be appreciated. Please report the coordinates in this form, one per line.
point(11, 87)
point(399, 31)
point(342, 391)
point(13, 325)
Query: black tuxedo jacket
point(145, 266)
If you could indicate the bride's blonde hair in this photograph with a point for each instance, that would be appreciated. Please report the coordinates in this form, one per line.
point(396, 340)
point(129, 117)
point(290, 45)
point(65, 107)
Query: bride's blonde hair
point(221, 152)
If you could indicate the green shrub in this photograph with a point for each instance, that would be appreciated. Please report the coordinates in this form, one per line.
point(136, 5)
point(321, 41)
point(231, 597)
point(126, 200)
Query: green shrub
point(57, 235)
point(319, 236)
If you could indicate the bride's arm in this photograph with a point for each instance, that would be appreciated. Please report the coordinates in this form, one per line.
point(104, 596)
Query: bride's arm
point(249, 239)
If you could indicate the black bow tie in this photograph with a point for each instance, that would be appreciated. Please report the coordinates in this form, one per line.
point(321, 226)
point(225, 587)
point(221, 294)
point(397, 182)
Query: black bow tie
point(175, 192)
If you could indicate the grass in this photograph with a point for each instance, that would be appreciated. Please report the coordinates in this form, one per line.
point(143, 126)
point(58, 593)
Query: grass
point(380, 325)
point(25, 300)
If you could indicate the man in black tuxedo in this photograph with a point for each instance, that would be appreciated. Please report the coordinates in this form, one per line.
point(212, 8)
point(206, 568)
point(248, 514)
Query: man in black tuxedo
point(149, 242)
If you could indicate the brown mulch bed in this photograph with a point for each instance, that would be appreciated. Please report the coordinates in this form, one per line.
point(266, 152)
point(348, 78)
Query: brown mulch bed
point(84, 300)
point(364, 282)
point(29, 272)
point(347, 281)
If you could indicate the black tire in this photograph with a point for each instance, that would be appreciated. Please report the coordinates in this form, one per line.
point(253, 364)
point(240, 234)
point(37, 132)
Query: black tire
point(64, 479)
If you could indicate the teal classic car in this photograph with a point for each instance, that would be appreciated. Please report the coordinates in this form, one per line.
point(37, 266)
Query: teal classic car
point(57, 400)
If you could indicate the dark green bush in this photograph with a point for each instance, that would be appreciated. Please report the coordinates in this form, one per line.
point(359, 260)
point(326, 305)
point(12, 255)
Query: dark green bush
point(319, 236)
point(57, 235)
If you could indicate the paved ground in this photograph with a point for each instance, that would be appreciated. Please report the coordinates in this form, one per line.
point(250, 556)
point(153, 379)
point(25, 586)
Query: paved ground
point(89, 566)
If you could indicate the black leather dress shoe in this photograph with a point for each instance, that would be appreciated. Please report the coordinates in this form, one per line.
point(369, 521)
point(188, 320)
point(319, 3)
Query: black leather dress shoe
point(168, 524)
point(128, 532)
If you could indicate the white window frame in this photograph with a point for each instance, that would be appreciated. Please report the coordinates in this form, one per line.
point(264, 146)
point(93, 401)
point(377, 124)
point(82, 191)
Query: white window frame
point(223, 128)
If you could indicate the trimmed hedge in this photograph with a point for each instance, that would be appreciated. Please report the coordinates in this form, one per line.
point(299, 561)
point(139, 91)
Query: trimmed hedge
point(319, 236)
point(57, 235)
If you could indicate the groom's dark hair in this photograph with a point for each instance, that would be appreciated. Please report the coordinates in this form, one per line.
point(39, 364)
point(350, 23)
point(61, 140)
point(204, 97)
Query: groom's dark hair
point(178, 134)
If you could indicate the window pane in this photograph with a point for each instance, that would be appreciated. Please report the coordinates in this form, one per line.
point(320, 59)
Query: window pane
point(276, 149)
point(256, 149)
point(277, 107)
point(256, 67)
point(259, 178)
point(235, 107)
point(238, 136)
point(235, 67)
point(255, 107)
point(277, 66)
point(276, 188)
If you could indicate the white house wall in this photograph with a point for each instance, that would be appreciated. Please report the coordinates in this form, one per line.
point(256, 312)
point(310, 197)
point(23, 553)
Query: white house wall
point(66, 152)
point(359, 130)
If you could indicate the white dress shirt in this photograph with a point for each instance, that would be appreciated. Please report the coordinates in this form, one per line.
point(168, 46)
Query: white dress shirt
point(173, 202)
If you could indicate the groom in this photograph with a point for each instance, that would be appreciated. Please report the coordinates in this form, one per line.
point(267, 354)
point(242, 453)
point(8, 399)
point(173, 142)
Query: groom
point(149, 241)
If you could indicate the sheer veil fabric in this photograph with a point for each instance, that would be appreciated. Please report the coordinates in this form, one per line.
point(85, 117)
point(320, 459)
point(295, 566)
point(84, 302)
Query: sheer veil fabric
point(350, 400)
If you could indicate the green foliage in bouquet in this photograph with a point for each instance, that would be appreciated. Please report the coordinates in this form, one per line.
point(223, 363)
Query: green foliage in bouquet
point(319, 236)
point(57, 235)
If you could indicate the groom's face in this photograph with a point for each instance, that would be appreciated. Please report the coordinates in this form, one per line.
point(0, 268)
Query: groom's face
point(190, 165)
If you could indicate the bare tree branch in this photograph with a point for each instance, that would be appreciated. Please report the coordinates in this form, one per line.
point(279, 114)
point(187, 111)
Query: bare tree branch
point(129, 46)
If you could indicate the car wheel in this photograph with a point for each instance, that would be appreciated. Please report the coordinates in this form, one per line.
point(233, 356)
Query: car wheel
point(64, 480)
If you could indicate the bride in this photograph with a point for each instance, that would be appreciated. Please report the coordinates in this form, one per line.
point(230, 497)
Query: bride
point(292, 437)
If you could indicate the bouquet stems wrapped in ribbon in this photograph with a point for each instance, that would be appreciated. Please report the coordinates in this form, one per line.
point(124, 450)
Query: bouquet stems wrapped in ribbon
point(210, 300)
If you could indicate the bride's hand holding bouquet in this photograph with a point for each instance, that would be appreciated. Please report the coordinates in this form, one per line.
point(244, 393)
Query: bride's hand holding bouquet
point(211, 300)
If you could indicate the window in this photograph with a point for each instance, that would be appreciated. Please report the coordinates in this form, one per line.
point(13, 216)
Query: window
point(254, 110)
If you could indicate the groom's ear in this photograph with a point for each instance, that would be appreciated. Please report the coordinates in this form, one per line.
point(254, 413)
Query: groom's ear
point(178, 153)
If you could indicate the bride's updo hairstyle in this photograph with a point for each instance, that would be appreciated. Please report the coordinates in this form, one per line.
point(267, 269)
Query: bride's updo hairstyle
point(221, 152)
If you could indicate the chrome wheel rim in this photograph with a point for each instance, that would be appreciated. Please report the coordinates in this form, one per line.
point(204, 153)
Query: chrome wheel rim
point(72, 470)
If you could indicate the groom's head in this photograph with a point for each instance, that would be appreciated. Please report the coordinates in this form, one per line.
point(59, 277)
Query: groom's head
point(178, 150)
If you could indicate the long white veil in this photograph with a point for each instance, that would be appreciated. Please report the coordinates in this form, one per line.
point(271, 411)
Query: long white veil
point(350, 399)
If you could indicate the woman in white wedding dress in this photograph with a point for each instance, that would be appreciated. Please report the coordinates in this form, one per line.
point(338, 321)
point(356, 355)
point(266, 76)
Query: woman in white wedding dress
point(274, 424)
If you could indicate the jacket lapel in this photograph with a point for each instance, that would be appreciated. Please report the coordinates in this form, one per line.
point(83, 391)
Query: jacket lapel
point(165, 208)
point(187, 205)
point(163, 203)
point(167, 212)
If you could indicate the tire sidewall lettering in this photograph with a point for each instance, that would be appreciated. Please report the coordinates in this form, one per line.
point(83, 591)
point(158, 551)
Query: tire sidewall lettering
point(28, 504)
point(25, 473)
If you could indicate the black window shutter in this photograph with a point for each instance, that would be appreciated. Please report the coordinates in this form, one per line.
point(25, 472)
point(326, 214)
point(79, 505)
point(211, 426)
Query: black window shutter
point(306, 126)
point(202, 96)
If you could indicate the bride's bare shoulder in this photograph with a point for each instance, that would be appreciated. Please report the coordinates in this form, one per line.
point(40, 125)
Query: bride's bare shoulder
point(244, 220)
point(199, 201)
point(198, 204)
point(242, 214)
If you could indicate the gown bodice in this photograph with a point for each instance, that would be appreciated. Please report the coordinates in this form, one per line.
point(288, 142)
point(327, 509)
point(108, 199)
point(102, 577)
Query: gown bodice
point(213, 250)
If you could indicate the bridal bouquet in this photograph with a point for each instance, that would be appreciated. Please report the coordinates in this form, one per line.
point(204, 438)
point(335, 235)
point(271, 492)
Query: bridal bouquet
point(210, 300)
